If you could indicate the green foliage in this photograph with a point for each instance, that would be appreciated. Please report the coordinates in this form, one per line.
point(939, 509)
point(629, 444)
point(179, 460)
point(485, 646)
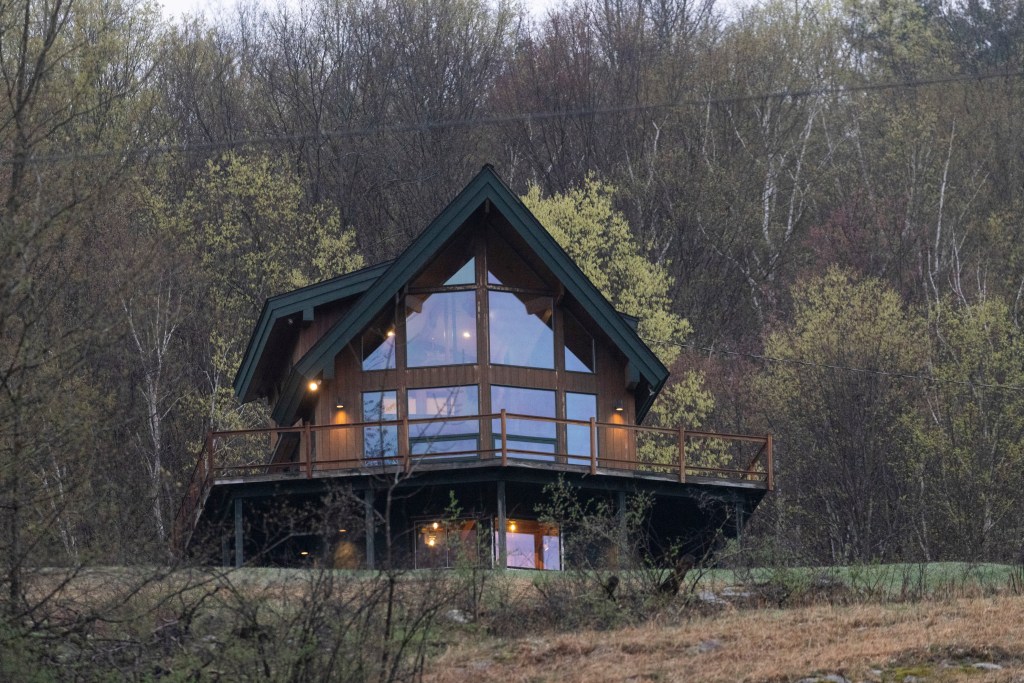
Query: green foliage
point(850, 449)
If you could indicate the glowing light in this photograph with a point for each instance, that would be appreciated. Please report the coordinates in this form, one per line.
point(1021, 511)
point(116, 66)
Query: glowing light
point(466, 334)
point(431, 540)
point(619, 407)
point(304, 553)
point(391, 333)
point(313, 386)
point(342, 531)
point(511, 525)
point(435, 526)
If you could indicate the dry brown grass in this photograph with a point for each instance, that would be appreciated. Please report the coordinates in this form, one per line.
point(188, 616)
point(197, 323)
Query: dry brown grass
point(934, 641)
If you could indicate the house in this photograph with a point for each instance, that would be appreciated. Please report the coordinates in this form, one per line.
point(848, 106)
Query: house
point(478, 367)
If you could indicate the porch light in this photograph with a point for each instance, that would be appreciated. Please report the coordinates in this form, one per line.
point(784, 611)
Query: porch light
point(619, 407)
point(391, 333)
point(303, 552)
point(339, 404)
point(342, 531)
point(314, 385)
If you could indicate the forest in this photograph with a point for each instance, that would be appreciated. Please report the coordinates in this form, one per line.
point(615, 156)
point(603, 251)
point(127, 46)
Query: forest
point(814, 206)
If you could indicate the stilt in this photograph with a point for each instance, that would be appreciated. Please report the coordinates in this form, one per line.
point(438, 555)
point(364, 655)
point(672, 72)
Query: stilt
point(502, 529)
point(239, 538)
point(369, 497)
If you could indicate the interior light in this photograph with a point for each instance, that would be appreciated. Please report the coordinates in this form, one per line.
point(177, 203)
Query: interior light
point(511, 525)
point(619, 407)
point(435, 526)
point(342, 531)
point(466, 335)
point(303, 552)
point(431, 540)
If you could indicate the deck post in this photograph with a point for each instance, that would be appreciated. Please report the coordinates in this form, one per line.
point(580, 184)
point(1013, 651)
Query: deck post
point(620, 512)
point(593, 446)
point(369, 498)
point(502, 528)
point(239, 538)
point(682, 455)
point(307, 450)
point(771, 465)
point(403, 444)
point(504, 438)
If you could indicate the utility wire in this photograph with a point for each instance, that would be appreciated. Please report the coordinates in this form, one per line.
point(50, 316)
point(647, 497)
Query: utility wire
point(528, 117)
point(710, 350)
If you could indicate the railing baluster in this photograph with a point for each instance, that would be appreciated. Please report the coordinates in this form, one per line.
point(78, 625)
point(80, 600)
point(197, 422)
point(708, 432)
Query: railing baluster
point(682, 455)
point(593, 446)
point(504, 439)
point(307, 451)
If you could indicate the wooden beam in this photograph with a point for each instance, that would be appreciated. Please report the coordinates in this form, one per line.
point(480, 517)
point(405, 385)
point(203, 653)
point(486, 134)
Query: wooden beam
point(239, 538)
point(502, 527)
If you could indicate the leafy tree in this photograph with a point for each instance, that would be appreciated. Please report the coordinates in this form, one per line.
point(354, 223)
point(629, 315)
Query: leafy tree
point(975, 430)
point(848, 450)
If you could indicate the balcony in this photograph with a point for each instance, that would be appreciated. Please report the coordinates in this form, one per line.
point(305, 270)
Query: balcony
point(403, 448)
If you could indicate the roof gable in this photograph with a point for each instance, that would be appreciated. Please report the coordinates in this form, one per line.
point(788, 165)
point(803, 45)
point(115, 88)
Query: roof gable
point(485, 187)
point(300, 301)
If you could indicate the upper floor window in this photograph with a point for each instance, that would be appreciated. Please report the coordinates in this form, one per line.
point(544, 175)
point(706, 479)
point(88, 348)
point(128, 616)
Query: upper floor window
point(440, 329)
point(522, 330)
point(579, 346)
point(378, 343)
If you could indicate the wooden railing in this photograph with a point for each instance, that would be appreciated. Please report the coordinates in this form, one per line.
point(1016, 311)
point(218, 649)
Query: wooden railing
point(405, 446)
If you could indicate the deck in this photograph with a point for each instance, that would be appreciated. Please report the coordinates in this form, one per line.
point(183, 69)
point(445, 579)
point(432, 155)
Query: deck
point(405, 448)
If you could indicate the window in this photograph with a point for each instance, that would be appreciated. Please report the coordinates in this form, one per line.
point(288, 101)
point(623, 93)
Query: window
point(449, 437)
point(449, 543)
point(378, 344)
point(521, 330)
point(527, 439)
point(454, 266)
point(380, 442)
point(579, 346)
point(531, 545)
point(441, 329)
point(577, 437)
point(506, 267)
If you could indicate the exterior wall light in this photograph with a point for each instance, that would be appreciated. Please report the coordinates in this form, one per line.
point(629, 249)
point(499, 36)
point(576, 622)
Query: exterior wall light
point(619, 407)
point(314, 385)
point(339, 404)
point(391, 333)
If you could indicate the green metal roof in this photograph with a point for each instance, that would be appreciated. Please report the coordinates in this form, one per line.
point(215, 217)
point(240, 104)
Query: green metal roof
point(486, 186)
point(282, 306)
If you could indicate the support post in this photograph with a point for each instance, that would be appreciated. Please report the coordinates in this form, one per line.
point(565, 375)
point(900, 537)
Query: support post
point(504, 439)
point(682, 455)
point(739, 512)
point(369, 498)
point(502, 528)
point(593, 446)
point(307, 450)
point(239, 538)
point(771, 465)
point(620, 513)
point(403, 444)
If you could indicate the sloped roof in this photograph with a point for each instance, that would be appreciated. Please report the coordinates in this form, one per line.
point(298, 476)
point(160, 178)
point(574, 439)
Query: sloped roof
point(486, 186)
point(282, 307)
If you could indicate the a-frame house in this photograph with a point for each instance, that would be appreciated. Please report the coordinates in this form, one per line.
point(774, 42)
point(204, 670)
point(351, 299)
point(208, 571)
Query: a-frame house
point(479, 366)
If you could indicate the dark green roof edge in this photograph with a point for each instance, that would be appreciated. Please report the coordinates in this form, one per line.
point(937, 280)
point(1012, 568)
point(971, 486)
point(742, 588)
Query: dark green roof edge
point(295, 301)
point(485, 185)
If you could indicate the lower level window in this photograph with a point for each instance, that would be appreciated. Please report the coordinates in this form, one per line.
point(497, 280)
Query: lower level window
point(448, 543)
point(530, 545)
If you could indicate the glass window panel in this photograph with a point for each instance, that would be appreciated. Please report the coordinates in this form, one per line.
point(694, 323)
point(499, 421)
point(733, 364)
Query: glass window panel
point(454, 265)
point(441, 329)
point(380, 442)
point(530, 545)
point(525, 435)
point(521, 332)
point(378, 344)
point(506, 267)
point(579, 346)
point(577, 437)
point(443, 437)
point(520, 550)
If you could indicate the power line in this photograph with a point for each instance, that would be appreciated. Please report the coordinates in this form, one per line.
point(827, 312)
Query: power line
point(527, 117)
point(710, 350)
